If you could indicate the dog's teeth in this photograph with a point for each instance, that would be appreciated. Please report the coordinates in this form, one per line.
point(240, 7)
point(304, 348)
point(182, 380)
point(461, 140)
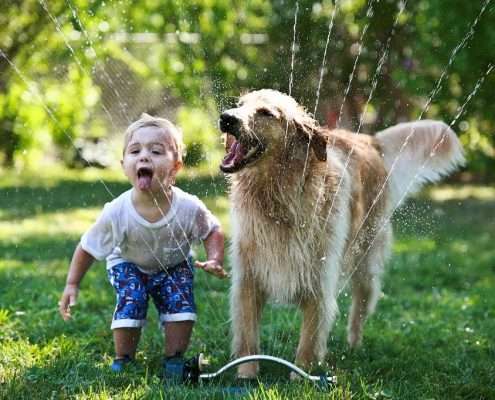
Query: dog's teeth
point(250, 152)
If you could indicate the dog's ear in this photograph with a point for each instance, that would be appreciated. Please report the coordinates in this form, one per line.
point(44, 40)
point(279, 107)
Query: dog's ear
point(318, 143)
point(312, 134)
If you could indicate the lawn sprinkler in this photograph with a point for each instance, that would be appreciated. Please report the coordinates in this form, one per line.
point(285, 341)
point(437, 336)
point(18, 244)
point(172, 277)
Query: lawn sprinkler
point(190, 371)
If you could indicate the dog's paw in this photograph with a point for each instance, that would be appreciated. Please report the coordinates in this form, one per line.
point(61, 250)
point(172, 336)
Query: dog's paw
point(354, 339)
point(247, 371)
point(293, 376)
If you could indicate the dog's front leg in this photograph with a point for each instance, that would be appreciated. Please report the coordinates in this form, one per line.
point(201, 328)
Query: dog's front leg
point(318, 316)
point(246, 304)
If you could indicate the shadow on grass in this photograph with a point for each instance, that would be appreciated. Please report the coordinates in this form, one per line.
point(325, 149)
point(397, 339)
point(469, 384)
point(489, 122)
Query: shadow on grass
point(32, 303)
point(70, 378)
point(69, 375)
point(431, 335)
point(39, 249)
point(24, 201)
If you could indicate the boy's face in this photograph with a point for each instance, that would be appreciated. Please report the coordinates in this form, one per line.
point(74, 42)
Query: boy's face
point(150, 159)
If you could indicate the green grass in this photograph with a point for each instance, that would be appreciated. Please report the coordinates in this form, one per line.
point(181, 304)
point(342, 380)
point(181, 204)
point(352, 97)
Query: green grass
point(431, 337)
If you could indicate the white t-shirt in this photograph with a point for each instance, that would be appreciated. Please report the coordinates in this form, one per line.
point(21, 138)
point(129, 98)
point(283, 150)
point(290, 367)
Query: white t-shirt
point(120, 234)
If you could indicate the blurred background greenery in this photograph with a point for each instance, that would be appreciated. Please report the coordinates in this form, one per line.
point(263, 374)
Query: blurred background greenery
point(74, 73)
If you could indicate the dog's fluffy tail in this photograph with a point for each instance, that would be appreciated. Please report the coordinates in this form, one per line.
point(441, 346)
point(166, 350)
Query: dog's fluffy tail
point(418, 152)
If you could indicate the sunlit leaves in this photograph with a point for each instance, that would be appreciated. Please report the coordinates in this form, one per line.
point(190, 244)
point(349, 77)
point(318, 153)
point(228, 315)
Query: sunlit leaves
point(213, 49)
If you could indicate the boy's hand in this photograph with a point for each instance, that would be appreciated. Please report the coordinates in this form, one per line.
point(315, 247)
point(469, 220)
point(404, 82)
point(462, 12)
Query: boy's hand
point(214, 267)
point(68, 299)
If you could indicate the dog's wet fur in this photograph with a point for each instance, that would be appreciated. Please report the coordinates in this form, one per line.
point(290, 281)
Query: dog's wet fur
point(310, 212)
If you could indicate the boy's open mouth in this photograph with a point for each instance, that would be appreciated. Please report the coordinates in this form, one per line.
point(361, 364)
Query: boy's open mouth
point(241, 153)
point(145, 175)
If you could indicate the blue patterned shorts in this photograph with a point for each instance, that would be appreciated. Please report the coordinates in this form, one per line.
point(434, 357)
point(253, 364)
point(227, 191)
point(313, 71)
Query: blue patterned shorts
point(171, 291)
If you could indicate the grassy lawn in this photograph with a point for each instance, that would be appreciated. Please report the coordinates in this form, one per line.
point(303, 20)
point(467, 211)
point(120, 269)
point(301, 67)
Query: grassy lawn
point(432, 336)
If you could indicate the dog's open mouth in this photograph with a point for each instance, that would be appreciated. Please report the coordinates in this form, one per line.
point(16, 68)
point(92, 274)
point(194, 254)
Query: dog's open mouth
point(145, 176)
point(240, 154)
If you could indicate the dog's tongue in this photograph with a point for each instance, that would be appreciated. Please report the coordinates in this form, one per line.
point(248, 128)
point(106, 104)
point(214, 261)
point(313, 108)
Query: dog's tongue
point(235, 154)
point(144, 182)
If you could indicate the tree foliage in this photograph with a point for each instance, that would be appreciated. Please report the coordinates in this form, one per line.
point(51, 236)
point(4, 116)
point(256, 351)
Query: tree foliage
point(79, 65)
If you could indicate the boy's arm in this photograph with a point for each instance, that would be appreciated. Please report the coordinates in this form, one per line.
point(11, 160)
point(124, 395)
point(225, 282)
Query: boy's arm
point(214, 247)
point(81, 262)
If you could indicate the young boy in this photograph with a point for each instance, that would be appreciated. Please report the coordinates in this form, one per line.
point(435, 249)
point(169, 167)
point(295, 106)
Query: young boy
point(145, 235)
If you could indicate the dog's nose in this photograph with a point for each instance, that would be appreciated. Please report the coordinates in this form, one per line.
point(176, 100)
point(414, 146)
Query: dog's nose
point(229, 123)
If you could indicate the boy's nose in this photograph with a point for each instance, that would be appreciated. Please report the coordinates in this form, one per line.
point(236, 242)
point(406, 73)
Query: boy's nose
point(144, 155)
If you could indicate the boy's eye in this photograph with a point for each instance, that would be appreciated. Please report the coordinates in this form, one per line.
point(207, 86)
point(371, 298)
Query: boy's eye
point(156, 152)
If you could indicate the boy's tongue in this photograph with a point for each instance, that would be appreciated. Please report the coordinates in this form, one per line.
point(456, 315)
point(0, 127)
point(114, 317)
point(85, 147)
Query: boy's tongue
point(144, 180)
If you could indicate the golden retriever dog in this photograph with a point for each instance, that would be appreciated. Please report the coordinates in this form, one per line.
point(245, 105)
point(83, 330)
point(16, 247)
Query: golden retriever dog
point(310, 212)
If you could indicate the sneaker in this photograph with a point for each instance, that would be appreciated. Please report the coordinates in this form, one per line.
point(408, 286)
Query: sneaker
point(119, 364)
point(173, 369)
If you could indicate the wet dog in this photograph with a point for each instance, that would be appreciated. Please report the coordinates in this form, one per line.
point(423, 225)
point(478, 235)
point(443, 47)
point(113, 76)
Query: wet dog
point(310, 210)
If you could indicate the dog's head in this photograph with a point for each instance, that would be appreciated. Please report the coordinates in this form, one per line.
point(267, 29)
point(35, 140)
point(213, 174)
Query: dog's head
point(268, 123)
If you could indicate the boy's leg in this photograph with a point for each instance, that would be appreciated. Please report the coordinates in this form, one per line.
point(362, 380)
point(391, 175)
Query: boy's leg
point(177, 337)
point(130, 312)
point(126, 341)
point(172, 293)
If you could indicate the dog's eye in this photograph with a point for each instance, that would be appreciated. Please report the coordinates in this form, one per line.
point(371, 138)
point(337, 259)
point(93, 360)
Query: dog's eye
point(265, 112)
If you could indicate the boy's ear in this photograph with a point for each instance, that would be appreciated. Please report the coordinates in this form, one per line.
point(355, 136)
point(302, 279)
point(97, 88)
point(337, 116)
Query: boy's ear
point(178, 165)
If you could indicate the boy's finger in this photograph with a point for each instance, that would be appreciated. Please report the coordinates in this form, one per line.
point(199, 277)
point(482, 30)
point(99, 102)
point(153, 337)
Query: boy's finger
point(218, 271)
point(214, 269)
point(224, 274)
point(64, 307)
point(72, 301)
point(65, 312)
point(62, 304)
point(67, 315)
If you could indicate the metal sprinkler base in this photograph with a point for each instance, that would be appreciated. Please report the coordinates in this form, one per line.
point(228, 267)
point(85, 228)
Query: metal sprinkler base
point(189, 371)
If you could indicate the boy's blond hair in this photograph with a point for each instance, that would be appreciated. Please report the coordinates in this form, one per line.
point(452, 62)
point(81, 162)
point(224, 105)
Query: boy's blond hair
point(167, 126)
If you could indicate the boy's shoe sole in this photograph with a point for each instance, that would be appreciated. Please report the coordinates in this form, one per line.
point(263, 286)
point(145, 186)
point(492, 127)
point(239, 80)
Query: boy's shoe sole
point(118, 364)
point(173, 370)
